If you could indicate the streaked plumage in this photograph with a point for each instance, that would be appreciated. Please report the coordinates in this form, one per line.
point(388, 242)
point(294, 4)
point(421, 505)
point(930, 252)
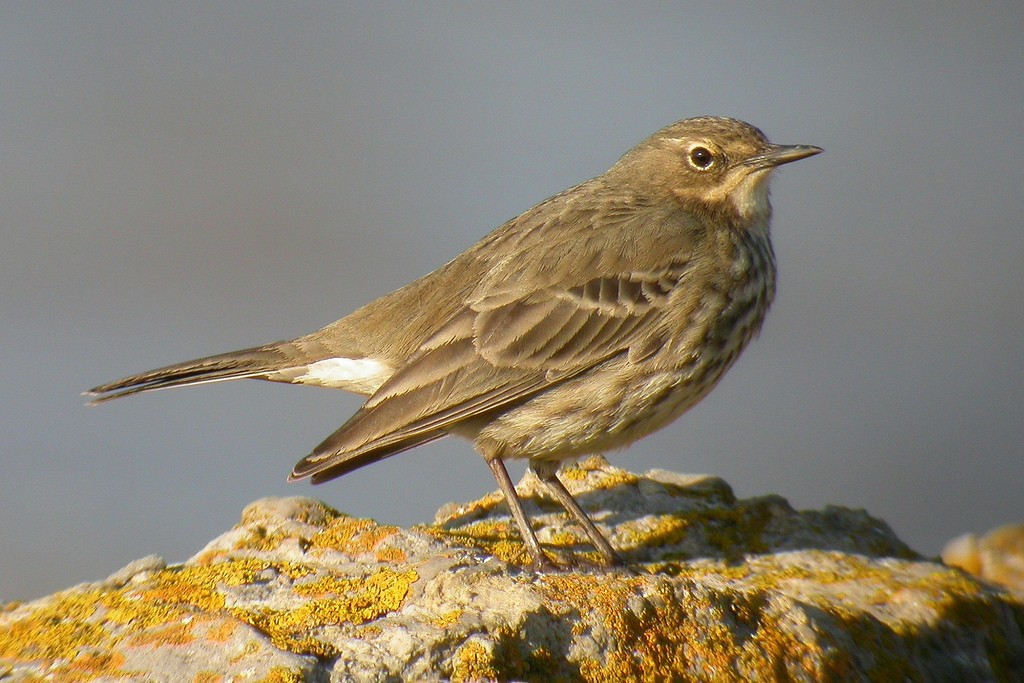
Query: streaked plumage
point(589, 321)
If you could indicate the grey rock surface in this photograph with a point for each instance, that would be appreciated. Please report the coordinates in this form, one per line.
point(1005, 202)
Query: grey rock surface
point(721, 590)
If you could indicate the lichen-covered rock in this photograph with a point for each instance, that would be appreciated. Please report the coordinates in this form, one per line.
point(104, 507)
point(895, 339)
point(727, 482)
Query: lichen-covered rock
point(721, 590)
point(998, 556)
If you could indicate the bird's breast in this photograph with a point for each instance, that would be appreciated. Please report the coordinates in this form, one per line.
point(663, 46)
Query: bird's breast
point(721, 308)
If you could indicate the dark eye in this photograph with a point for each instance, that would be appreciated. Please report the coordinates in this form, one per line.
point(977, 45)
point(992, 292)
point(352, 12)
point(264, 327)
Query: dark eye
point(701, 158)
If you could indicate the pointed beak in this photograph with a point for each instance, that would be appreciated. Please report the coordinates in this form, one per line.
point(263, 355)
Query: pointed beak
point(776, 155)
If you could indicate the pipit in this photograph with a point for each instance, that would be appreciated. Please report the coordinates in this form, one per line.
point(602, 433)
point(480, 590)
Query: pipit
point(580, 326)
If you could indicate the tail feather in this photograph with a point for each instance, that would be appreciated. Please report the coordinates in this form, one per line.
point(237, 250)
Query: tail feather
point(261, 362)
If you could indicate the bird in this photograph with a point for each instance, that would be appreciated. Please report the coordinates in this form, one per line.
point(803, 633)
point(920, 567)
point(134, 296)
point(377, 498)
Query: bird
point(594, 318)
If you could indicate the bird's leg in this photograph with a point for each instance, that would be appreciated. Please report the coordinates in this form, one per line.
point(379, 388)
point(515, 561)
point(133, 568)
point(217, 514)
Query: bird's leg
point(541, 563)
point(546, 471)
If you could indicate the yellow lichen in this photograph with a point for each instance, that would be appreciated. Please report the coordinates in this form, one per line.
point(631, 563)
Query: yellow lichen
point(668, 530)
point(499, 539)
point(352, 535)
point(604, 479)
point(353, 602)
point(328, 584)
point(565, 539)
point(659, 638)
point(473, 662)
point(448, 618)
point(160, 610)
point(198, 585)
point(261, 539)
point(56, 630)
point(281, 674)
point(208, 677)
point(639, 624)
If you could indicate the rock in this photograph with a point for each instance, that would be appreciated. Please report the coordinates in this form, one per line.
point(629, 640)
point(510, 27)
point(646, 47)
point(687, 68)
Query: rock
point(998, 556)
point(723, 590)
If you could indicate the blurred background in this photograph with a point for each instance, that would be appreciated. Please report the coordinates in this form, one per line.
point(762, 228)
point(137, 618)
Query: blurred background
point(182, 179)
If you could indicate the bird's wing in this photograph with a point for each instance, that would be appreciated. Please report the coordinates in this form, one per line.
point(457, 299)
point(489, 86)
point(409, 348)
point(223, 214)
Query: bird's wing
point(544, 313)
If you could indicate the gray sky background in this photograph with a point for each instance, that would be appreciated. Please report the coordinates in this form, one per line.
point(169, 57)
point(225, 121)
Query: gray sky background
point(182, 179)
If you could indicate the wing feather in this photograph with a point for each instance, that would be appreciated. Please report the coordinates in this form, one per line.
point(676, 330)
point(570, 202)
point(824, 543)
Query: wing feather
point(547, 310)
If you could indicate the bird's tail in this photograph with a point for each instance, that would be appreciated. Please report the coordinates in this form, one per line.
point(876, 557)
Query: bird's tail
point(270, 361)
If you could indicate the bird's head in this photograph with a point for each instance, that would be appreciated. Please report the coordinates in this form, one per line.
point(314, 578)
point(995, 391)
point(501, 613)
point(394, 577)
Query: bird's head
point(710, 165)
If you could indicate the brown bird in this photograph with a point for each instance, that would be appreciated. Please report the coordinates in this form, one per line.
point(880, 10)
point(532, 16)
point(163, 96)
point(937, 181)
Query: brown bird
point(580, 326)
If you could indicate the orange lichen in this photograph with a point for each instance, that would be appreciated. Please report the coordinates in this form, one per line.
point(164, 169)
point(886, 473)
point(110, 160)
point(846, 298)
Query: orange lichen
point(221, 631)
point(391, 555)
point(176, 633)
point(92, 664)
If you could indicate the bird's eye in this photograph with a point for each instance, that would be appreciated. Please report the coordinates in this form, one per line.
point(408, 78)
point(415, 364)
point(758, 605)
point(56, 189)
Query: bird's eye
point(701, 158)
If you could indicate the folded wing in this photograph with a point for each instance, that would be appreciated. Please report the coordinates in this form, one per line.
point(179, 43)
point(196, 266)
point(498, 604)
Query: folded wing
point(519, 335)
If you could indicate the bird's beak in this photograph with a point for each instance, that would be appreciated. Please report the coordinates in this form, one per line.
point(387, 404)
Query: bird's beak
point(776, 155)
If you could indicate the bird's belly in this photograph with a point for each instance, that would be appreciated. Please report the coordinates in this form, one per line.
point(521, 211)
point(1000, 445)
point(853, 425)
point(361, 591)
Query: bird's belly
point(603, 410)
point(618, 402)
